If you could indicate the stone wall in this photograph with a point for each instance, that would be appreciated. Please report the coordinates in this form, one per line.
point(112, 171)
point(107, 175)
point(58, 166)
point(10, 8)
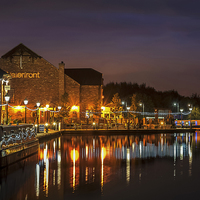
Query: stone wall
point(61, 80)
point(90, 94)
point(73, 89)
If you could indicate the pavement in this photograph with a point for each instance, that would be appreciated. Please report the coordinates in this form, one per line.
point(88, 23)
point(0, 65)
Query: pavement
point(51, 133)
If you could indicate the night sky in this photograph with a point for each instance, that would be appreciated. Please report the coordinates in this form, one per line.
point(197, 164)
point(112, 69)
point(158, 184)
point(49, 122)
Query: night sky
point(156, 42)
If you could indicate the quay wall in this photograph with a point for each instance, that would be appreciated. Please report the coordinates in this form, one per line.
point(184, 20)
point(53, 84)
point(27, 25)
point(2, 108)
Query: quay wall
point(47, 136)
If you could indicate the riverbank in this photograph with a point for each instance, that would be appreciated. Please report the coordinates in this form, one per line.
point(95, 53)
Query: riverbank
point(52, 134)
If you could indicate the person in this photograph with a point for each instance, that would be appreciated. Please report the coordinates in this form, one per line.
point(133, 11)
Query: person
point(46, 129)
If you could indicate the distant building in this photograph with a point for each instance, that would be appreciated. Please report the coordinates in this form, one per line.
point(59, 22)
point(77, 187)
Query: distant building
point(36, 79)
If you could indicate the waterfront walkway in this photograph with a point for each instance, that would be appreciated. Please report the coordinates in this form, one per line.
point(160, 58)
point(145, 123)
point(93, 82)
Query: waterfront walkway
point(55, 133)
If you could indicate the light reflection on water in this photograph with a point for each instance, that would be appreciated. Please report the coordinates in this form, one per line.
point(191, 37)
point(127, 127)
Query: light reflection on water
point(102, 166)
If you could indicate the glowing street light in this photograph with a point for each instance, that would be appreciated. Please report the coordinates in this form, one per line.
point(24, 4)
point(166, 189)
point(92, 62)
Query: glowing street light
point(177, 107)
point(25, 103)
point(190, 117)
point(37, 113)
point(181, 113)
point(142, 104)
point(38, 104)
point(7, 99)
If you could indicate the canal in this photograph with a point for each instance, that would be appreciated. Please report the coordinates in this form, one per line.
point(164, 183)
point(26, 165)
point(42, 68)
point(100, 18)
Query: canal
point(156, 166)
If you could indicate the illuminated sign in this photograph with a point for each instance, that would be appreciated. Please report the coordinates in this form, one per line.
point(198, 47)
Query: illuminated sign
point(7, 87)
point(25, 75)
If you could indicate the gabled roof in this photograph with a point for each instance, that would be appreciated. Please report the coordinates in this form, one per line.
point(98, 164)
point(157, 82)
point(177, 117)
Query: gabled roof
point(85, 76)
point(20, 49)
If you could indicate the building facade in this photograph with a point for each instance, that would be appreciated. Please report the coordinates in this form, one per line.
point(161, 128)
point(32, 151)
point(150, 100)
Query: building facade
point(38, 80)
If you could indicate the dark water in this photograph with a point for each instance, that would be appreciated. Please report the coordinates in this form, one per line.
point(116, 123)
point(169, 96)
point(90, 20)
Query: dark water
point(160, 166)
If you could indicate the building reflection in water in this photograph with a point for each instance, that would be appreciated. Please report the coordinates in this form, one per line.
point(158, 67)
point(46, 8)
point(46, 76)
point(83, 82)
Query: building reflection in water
point(128, 169)
point(37, 185)
point(59, 169)
point(79, 159)
point(103, 155)
point(46, 171)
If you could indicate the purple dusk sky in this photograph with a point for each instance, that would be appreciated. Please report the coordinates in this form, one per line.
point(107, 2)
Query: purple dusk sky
point(156, 42)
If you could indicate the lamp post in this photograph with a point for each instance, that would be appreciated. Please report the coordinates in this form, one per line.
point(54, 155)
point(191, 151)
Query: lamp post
point(142, 104)
point(59, 108)
point(25, 103)
point(59, 125)
point(124, 103)
point(181, 113)
point(47, 106)
point(37, 113)
point(7, 98)
point(5, 79)
point(190, 117)
point(128, 108)
point(177, 107)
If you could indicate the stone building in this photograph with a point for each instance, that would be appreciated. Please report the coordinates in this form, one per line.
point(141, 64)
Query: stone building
point(38, 80)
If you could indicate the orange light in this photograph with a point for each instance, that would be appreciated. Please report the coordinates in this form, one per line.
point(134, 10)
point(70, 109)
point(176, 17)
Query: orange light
point(19, 107)
point(75, 108)
point(103, 108)
point(41, 155)
point(74, 155)
point(103, 153)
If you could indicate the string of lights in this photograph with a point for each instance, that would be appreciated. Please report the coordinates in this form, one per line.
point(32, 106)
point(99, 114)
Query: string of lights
point(114, 112)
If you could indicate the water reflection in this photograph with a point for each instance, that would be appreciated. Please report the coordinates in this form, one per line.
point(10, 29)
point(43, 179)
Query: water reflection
point(83, 152)
point(77, 164)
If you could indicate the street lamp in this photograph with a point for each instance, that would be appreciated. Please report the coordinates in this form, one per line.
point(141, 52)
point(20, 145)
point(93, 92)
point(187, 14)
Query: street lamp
point(190, 117)
point(7, 98)
point(59, 125)
point(38, 104)
point(37, 113)
point(25, 103)
point(181, 113)
point(142, 104)
point(47, 106)
point(177, 107)
point(124, 103)
point(128, 108)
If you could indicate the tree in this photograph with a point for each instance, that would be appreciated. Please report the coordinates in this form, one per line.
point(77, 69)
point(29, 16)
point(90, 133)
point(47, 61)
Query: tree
point(195, 114)
point(96, 107)
point(137, 99)
point(115, 104)
point(134, 105)
point(65, 106)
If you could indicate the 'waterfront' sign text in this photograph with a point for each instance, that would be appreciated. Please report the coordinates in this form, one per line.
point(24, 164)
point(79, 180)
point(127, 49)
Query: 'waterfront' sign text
point(25, 75)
